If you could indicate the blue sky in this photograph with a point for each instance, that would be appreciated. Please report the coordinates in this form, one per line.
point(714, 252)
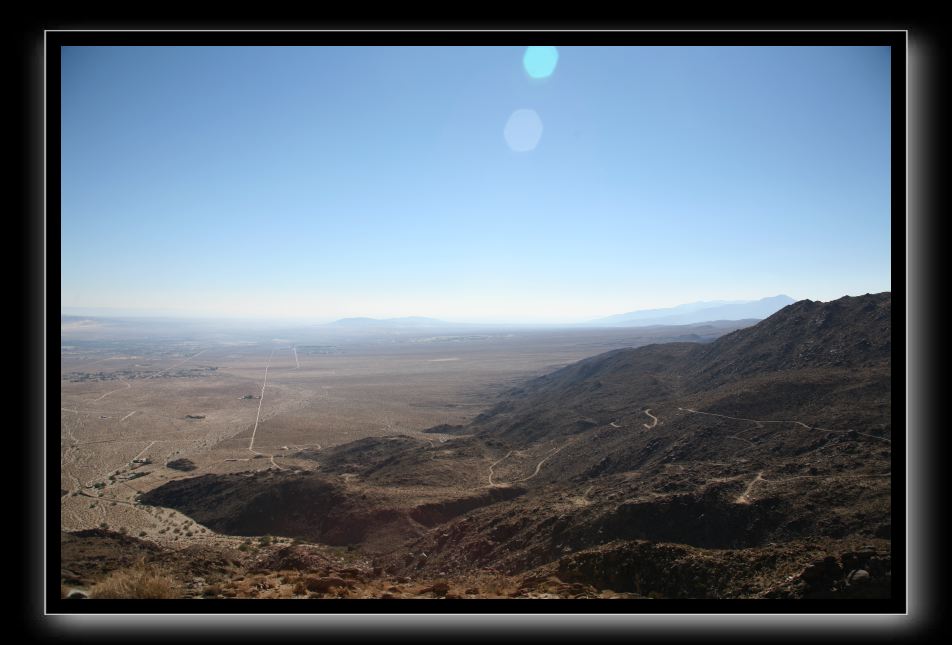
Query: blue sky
point(325, 182)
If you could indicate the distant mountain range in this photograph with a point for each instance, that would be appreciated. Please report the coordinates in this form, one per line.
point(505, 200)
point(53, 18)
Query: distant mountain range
point(696, 312)
point(406, 321)
point(686, 314)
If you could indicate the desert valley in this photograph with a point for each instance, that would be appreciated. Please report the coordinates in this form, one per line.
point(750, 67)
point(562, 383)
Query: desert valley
point(415, 459)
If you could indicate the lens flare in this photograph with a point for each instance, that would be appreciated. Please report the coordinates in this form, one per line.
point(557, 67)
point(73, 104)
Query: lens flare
point(523, 130)
point(540, 62)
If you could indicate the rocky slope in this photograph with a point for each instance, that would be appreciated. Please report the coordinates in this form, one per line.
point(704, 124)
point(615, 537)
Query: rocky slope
point(757, 465)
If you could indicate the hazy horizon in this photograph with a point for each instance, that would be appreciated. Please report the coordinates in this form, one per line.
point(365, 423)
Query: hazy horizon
point(579, 317)
point(470, 184)
point(581, 320)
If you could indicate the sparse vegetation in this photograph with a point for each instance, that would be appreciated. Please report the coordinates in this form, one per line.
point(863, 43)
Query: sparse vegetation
point(138, 581)
point(182, 463)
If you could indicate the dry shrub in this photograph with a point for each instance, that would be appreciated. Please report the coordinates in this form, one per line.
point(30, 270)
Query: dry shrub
point(494, 584)
point(138, 581)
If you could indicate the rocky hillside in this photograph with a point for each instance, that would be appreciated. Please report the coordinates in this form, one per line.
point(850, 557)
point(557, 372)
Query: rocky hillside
point(852, 332)
point(757, 465)
point(822, 360)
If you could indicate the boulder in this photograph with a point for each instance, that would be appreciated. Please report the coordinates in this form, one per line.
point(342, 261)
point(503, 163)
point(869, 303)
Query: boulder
point(858, 577)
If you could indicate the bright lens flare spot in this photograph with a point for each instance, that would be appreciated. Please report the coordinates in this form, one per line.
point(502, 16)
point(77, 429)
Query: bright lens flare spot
point(540, 62)
point(523, 130)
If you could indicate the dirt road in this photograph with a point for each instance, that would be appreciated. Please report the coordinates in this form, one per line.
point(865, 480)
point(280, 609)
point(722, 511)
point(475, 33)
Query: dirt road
point(538, 467)
point(251, 444)
point(654, 420)
point(744, 498)
point(799, 423)
point(493, 465)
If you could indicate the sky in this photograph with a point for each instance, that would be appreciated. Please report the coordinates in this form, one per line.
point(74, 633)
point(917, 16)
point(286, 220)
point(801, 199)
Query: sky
point(552, 184)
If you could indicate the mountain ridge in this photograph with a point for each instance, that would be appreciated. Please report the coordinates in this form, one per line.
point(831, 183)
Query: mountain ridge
point(698, 312)
point(755, 465)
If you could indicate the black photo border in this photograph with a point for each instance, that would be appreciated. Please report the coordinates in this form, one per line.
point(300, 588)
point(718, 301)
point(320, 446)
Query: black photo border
point(464, 612)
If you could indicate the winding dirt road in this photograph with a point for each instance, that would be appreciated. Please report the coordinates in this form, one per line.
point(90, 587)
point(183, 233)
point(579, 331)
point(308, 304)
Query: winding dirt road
point(799, 423)
point(654, 420)
point(538, 467)
point(744, 498)
point(493, 465)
